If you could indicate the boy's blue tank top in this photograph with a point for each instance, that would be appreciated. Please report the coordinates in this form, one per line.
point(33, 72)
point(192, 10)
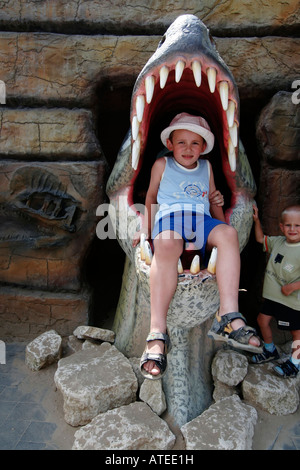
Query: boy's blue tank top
point(184, 189)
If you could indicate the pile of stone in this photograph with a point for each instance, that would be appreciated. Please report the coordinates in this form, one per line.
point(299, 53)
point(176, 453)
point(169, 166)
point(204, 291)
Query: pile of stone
point(116, 409)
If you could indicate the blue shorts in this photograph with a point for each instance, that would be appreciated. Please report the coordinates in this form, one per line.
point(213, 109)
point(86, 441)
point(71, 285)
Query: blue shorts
point(192, 227)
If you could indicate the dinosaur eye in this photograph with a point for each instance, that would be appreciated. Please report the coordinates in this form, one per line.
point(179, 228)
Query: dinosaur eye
point(162, 40)
point(213, 42)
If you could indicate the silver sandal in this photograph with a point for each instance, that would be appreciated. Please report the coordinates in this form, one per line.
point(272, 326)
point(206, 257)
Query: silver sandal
point(159, 359)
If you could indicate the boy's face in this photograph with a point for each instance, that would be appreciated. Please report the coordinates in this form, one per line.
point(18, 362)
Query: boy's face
point(290, 227)
point(187, 147)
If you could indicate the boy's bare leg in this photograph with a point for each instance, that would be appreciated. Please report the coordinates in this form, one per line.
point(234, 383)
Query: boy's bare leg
point(225, 238)
point(265, 328)
point(163, 283)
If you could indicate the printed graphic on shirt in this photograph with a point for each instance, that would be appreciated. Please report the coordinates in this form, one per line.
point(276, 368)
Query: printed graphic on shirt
point(191, 190)
point(289, 268)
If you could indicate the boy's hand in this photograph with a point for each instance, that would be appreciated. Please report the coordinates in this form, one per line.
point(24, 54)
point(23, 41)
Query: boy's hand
point(136, 239)
point(255, 212)
point(288, 289)
point(216, 198)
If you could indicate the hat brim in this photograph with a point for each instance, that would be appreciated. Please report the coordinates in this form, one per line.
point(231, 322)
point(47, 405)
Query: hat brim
point(205, 133)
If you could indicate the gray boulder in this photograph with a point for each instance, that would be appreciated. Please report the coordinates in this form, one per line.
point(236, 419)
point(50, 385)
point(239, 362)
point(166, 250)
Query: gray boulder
point(262, 388)
point(131, 427)
point(226, 425)
point(93, 381)
point(43, 350)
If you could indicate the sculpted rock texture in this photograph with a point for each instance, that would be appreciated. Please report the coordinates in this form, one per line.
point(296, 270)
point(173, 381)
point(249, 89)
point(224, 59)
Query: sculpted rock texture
point(258, 64)
point(278, 136)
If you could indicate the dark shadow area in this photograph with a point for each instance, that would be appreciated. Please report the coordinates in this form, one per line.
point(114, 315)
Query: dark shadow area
point(105, 261)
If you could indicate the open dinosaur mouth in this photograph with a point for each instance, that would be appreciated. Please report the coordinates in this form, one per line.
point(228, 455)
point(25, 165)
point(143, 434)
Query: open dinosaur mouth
point(186, 85)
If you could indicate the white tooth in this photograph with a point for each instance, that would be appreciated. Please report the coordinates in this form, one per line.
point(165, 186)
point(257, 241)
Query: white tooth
point(149, 84)
point(230, 113)
point(135, 127)
point(179, 70)
point(136, 148)
point(224, 94)
point(233, 131)
point(212, 261)
point(163, 75)
point(180, 267)
point(140, 106)
point(196, 67)
point(231, 156)
point(195, 265)
point(148, 253)
point(212, 77)
point(142, 246)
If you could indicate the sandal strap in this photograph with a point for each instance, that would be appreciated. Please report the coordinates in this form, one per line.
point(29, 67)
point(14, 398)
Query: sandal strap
point(226, 319)
point(159, 359)
point(243, 334)
point(161, 337)
point(158, 336)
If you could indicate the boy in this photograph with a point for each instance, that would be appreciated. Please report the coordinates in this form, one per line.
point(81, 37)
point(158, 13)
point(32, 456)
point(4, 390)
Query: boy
point(181, 185)
point(281, 289)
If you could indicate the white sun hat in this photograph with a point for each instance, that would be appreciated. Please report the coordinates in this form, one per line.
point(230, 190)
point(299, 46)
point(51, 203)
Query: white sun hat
point(191, 123)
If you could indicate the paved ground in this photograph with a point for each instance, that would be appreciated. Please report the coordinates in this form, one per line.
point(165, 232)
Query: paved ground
point(31, 412)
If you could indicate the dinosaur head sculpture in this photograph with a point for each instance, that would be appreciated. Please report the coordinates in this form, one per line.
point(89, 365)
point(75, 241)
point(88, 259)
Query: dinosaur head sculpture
point(185, 74)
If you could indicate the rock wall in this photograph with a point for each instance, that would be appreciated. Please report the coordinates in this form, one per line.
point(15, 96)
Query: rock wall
point(69, 68)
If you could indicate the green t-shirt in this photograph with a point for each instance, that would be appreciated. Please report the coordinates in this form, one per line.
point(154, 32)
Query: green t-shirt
point(283, 268)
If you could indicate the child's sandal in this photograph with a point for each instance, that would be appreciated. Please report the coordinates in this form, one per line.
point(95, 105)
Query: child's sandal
point(159, 359)
point(222, 330)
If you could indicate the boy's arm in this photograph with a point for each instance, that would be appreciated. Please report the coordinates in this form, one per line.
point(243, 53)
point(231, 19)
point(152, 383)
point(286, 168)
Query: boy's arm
point(259, 234)
point(287, 289)
point(151, 199)
point(215, 210)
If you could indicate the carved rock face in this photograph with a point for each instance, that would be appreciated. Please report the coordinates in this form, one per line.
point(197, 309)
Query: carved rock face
point(185, 74)
point(46, 222)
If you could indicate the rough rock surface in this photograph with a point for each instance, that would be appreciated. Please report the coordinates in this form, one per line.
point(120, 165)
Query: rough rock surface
point(93, 381)
point(43, 350)
point(278, 137)
point(229, 367)
point(92, 332)
point(99, 386)
point(226, 425)
point(153, 15)
point(262, 388)
point(131, 427)
point(151, 392)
